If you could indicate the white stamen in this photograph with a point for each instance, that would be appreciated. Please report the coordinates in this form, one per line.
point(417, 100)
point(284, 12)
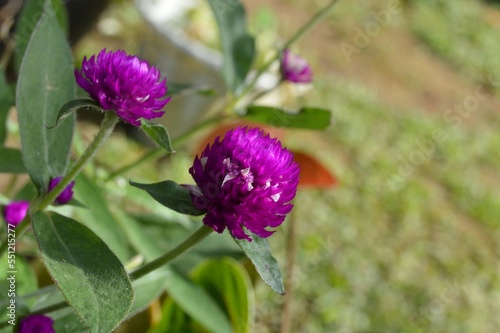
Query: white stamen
point(276, 197)
point(142, 99)
point(228, 177)
point(203, 161)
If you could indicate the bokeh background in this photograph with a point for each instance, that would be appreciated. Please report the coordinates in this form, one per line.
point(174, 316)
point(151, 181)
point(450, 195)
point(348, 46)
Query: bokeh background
point(408, 240)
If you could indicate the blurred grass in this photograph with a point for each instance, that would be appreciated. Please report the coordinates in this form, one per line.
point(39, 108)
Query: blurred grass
point(421, 256)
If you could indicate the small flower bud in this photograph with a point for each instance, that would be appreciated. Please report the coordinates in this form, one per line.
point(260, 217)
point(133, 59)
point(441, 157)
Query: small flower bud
point(295, 68)
point(37, 323)
point(15, 212)
point(66, 195)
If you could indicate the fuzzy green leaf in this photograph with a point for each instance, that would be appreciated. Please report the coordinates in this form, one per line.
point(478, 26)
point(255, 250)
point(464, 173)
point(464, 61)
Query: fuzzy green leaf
point(267, 266)
point(11, 161)
point(46, 82)
point(74, 105)
point(27, 21)
point(158, 133)
point(171, 195)
point(90, 276)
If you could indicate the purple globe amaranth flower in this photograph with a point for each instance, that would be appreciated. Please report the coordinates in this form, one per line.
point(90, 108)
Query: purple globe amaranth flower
point(37, 324)
point(294, 68)
point(245, 180)
point(66, 195)
point(124, 84)
point(15, 212)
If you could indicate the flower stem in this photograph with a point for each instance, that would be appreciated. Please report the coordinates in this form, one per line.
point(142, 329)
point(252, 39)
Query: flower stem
point(318, 17)
point(155, 153)
point(195, 238)
point(108, 124)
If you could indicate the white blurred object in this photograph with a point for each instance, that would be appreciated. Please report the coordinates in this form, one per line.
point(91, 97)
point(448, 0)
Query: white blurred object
point(181, 59)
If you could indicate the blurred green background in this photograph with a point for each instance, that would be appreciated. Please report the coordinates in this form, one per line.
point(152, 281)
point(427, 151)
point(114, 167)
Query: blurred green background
point(409, 239)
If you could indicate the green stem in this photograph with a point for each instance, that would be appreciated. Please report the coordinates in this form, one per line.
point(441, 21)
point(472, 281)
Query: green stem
point(108, 124)
point(318, 17)
point(155, 153)
point(194, 239)
point(199, 235)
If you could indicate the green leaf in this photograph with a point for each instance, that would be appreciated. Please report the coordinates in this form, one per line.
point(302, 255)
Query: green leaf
point(28, 18)
point(11, 161)
point(74, 105)
point(196, 302)
point(268, 268)
point(171, 195)
point(158, 133)
point(238, 46)
point(45, 83)
point(6, 101)
point(228, 282)
point(308, 118)
point(90, 276)
point(99, 218)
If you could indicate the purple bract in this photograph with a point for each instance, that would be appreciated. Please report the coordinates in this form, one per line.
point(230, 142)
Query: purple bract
point(244, 181)
point(15, 212)
point(124, 84)
point(66, 195)
point(37, 324)
point(295, 68)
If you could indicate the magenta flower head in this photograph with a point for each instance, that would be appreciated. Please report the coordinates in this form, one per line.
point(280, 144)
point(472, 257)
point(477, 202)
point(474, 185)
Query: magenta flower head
point(124, 84)
point(244, 181)
point(66, 195)
point(15, 212)
point(295, 68)
point(37, 324)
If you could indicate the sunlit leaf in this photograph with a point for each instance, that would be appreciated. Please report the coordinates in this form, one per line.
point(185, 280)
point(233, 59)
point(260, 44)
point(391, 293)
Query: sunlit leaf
point(307, 118)
point(227, 281)
point(196, 302)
